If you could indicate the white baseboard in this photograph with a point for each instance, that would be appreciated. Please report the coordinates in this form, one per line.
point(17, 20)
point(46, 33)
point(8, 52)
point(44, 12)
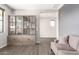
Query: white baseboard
point(3, 46)
point(48, 37)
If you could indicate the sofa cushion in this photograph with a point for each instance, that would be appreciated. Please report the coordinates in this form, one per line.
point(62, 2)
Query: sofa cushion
point(57, 47)
point(65, 52)
point(74, 41)
point(64, 40)
point(64, 47)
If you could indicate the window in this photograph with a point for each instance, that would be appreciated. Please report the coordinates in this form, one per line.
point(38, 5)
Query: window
point(1, 20)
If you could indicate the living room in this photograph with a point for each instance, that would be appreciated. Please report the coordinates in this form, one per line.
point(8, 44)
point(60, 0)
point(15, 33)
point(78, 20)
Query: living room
point(52, 22)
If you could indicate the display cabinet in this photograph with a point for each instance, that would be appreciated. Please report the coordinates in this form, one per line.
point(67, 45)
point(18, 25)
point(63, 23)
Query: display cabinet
point(22, 29)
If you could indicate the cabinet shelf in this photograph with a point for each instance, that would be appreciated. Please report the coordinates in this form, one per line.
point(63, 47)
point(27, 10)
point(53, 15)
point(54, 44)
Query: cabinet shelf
point(22, 25)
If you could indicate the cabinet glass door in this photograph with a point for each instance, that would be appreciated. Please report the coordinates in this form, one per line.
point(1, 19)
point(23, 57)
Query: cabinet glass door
point(12, 25)
point(19, 25)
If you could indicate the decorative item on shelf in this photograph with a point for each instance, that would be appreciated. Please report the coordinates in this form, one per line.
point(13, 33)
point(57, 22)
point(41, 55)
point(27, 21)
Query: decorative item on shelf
point(27, 23)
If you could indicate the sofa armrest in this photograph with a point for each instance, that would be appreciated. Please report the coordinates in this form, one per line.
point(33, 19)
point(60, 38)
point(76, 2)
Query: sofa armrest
point(65, 52)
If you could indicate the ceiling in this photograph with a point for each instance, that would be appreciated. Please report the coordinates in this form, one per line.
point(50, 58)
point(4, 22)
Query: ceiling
point(34, 6)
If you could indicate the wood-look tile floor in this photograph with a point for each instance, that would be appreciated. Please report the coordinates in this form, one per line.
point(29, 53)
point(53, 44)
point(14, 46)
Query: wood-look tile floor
point(42, 49)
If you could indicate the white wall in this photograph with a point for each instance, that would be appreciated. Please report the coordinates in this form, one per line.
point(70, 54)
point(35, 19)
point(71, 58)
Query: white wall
point(46, 30)
point(24, 12)
point(69, 20)
point(3, 36)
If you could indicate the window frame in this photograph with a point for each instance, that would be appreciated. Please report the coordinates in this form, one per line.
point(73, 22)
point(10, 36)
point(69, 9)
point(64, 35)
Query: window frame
point(2, 20)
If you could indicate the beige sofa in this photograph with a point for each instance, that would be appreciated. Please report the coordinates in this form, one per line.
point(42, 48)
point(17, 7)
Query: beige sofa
point(68, 45)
